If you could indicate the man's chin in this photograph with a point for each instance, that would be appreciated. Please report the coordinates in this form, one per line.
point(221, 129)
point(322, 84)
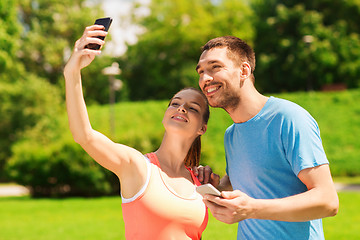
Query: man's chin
point(214, 104)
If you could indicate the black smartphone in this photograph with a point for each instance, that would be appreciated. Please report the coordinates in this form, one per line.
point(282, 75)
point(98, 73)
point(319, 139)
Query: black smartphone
point(106, 22)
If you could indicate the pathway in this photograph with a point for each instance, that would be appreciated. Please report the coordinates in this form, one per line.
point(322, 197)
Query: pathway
point(16, 190)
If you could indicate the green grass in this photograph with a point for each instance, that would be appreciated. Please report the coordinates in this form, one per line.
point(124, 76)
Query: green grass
point(77, 218)
point(101, 218)
point(345, 225)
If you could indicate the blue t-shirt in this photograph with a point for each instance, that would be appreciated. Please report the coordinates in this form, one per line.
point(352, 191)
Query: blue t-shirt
point(264, 156)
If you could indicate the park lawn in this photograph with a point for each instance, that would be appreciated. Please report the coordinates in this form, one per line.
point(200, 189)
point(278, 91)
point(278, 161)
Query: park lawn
point(55, 219)
point(101, 218)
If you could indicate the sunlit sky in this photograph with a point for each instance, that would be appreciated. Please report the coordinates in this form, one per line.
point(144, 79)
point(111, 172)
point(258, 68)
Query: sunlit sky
point(121, 30)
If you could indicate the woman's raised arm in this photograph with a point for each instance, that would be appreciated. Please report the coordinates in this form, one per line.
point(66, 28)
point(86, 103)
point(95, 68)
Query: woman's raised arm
point(124, 161)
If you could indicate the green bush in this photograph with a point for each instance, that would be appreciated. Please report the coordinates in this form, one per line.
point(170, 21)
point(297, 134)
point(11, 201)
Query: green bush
point(22, 106)
point(59, 169)
point(52, 164)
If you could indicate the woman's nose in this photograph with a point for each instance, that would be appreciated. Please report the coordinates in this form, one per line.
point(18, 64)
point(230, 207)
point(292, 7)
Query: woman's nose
point(182, 109)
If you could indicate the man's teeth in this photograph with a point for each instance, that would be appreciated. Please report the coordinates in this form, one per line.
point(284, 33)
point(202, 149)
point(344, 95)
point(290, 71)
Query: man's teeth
point(210, 90)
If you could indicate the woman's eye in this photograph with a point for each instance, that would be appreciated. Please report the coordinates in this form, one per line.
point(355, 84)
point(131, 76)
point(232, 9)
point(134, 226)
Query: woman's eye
point(194, 109)
point(174, 104)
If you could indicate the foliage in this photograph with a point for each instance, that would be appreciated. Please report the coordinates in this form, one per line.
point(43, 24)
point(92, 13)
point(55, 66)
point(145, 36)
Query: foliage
point(10, 69)
point(23, 104)
point(165, 56)
point(48, 161)
point(141, 127)
point(52, 160)
point(308, 44)
point(61, 169)
point(50, 31)
point(35, 38)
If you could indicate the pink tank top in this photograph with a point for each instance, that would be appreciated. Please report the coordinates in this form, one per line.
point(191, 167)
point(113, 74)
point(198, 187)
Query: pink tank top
point(159, 213)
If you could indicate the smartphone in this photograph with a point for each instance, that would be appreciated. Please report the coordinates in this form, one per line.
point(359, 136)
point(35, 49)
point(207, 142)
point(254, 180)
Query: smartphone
point(208, 189)
point(106, 22)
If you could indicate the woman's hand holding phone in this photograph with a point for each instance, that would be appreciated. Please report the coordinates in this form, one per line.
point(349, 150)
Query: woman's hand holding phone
point(88, 46)
point(106, 23)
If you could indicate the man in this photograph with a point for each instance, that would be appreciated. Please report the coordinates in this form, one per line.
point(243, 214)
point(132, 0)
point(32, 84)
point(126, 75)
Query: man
point(276, 164)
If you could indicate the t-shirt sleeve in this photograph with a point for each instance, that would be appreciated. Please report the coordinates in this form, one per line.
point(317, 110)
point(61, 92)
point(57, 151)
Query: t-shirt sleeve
point(301, 140)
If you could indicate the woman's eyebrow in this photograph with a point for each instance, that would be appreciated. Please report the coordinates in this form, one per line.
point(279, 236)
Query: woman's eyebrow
point(193, 102)
point(196, 103)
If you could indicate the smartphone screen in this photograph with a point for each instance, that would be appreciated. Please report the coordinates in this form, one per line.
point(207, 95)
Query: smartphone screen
point(208, 189)
point(106, 22)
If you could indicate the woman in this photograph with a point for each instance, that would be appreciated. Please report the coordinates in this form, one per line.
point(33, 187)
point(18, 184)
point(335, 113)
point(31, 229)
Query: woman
point(158, 190)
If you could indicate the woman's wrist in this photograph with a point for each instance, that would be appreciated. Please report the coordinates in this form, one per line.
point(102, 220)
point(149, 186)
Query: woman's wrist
point(70, 71)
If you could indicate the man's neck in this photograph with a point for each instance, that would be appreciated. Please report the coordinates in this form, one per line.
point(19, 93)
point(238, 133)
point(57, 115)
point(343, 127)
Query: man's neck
point(249, 106)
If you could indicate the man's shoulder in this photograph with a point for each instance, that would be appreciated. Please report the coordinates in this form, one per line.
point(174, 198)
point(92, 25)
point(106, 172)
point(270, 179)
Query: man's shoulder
point(230, 129)
point(287, 108)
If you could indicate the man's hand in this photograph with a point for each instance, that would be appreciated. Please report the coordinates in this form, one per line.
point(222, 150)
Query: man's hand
point(205, 175)
point(234, 206)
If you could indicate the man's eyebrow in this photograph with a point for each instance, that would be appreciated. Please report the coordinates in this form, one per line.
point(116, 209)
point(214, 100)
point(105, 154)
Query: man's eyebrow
point(209, 62)
point(197, 67)
point(214, 61)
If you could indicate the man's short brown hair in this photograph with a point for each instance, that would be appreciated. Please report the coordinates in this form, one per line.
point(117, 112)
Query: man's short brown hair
point(237, 49)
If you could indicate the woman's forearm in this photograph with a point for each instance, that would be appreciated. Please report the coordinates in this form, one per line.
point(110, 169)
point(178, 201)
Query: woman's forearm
point(78, 118)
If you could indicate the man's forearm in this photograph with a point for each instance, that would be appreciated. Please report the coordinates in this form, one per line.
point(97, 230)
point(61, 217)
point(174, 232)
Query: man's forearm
point(313, 204)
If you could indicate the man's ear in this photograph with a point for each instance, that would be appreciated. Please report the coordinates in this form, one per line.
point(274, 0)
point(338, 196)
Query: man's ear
point(245, 70)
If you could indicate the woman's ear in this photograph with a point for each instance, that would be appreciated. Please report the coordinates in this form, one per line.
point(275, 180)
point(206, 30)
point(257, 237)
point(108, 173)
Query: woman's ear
point(203, 129)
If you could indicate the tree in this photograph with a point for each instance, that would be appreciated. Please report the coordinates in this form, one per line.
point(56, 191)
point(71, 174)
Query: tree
point(165, 56)
point(307, 44)
point(50, 31)
point(31, 58)
point(9, 42)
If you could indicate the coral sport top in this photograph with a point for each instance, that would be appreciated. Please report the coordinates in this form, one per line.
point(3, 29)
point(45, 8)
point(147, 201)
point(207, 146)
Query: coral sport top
point(158, 212)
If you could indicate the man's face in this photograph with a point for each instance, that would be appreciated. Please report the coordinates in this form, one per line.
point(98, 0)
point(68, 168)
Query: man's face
point(219, 78)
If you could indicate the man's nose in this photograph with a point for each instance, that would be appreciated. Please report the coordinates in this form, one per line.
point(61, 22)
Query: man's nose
point(204, 79)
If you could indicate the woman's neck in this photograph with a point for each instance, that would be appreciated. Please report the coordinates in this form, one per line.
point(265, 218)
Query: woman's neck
point(172, 153)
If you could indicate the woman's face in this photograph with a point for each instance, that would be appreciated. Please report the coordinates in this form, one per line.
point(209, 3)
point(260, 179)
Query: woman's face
point(185, 113)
